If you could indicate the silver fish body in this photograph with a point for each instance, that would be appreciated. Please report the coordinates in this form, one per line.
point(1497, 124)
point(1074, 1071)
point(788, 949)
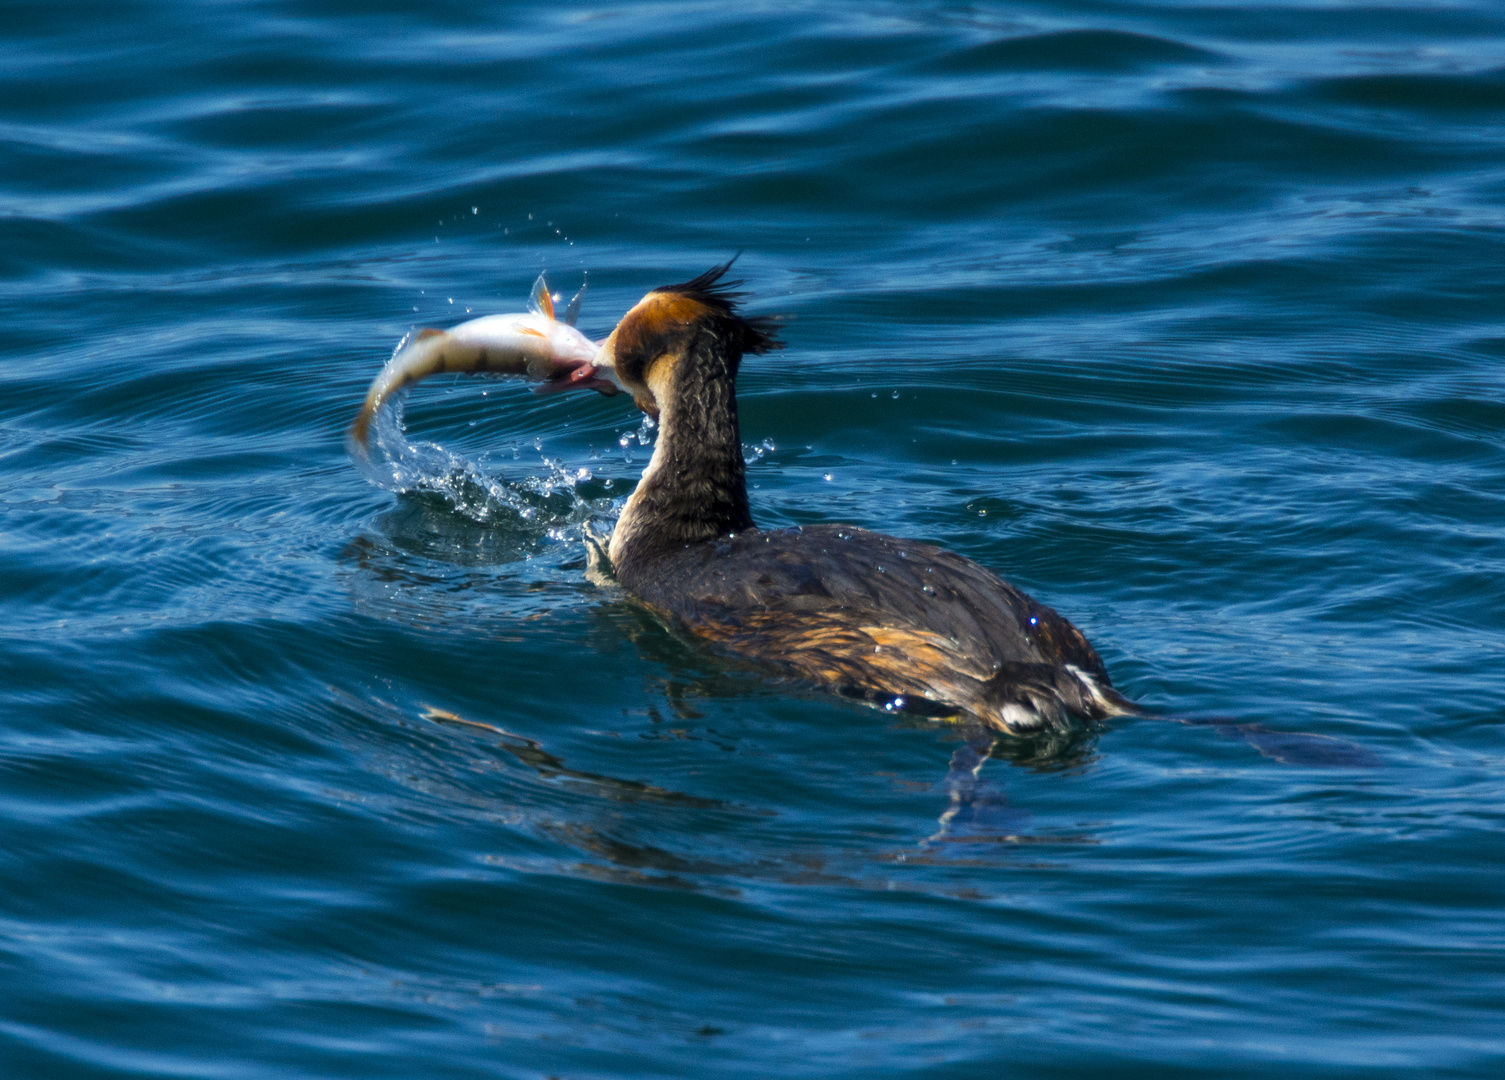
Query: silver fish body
point(530, 345)
point(533, 344)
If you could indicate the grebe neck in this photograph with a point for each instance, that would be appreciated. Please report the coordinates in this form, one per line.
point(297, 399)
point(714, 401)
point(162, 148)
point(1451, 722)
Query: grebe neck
point(695, 485)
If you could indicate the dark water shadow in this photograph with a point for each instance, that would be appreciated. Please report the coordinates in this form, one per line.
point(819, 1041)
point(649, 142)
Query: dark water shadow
point(1298, 748)
point(531, 753)
point(615, 849)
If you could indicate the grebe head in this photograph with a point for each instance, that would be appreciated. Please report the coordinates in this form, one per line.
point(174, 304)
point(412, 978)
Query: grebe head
point(641, 354)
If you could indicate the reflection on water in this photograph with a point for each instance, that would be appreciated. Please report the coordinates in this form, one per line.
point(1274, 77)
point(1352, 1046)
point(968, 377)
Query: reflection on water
point(530, 753)
point(661, 851)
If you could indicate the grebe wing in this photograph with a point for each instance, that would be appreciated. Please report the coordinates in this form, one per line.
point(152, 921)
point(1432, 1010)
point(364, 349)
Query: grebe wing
point(839, 587)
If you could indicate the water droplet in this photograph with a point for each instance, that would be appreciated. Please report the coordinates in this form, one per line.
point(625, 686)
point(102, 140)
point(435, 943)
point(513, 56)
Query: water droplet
point(896, 395)
point(475, 209)
point(827, 477)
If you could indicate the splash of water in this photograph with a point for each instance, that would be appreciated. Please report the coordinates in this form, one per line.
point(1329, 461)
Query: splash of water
point(551, 504)
point(645, 436)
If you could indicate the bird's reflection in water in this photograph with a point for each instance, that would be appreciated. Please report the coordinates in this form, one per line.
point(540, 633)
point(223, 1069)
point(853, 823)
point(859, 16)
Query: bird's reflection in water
point(532, 754)
point(616, 857)
point(632, 831)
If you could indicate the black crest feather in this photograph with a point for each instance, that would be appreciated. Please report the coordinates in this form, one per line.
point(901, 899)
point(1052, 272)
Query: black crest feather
point(759, 332)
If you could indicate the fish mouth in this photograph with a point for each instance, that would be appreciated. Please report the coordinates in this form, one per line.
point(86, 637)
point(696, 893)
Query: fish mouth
point(580, 375)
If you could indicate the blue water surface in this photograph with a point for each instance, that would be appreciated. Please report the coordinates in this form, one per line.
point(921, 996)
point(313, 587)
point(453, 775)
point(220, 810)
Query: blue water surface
point(1187, 317)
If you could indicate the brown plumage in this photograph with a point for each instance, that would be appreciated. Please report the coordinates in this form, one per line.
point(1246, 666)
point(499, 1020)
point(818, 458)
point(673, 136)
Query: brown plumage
point(893, 621)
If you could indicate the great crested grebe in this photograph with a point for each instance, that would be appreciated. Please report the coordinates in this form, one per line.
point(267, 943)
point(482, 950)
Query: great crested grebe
point(896, 622)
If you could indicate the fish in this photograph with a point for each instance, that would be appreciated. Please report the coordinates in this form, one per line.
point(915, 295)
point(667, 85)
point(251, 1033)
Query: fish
point(534, 344)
